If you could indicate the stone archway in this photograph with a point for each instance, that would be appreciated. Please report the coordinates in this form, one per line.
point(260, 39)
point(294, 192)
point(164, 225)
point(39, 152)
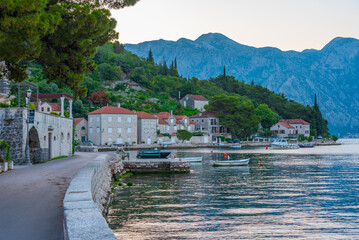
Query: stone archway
point(34, 144)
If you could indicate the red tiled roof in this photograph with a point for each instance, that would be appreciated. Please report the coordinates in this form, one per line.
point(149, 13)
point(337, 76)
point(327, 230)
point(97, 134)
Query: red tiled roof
point(77, 121)
point(163, 114)
point(295, 121)
point(111, 110)
point(204, 115)
point(145, 115)
point(55, 107)
point(179, 116)
point(161, 121)
point(178, 122)
point(191, 121)
point(197, 97)
point(285, 124)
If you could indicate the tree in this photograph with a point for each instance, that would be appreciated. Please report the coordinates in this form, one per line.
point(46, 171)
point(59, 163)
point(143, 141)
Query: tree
point(183, 134)
point(267, 116)
point(118, 47)
point(150, 56)
point(235, 113)
point(62, 36)
point(99, 97)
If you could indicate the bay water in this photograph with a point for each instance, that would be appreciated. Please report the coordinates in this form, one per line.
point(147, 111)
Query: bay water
point(295, 194)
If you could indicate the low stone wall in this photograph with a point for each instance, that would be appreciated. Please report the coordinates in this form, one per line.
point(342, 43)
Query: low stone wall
point(86, 149)
point(154, 165)
point(85, 201)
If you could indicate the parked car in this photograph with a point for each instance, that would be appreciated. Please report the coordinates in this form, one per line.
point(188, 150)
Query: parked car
point(230, 141)
point(236, 141)
point(88, 143)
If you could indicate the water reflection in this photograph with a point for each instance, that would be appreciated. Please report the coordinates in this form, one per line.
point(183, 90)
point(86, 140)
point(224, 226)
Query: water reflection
point(290, 196)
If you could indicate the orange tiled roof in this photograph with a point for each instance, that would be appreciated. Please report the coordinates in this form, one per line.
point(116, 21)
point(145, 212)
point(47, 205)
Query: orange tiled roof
point(287, 125)
point(111, 110)
point(77, 120)
point(197, 97)
point(295, 121)
point(145, 115)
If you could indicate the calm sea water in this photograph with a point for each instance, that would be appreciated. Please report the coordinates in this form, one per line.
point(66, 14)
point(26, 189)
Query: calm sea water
point(300, 194)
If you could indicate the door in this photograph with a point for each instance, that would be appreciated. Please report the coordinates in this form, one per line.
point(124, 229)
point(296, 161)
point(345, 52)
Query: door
point(119, 140)
point(149, 141)
point(50, 145)
point(83, 139)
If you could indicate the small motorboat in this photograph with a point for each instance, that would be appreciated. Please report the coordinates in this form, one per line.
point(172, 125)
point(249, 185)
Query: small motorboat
point(283, 144)
point(236, 146)
point(193, 159)
point(152, 153)
point(306, 144)
point(241, 162)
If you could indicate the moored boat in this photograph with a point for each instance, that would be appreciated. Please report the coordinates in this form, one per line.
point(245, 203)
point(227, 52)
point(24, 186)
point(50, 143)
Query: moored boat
point(241, 162)
point(236, 146)
point(283, 144)
point(152, 153)
point(306, 144)
point(193, 159)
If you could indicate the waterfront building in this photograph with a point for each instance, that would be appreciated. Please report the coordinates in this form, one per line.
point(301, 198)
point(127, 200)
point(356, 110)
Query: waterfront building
point(209, 123)
point(169, 123)
point(112, 125)
point(194, 101)
point(146, 128)
point(291, 128)
point(81, 127)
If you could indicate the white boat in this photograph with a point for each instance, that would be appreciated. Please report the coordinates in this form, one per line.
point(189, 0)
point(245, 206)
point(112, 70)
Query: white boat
point(236, 146)
point(193, 159)
point(283, 144)
point(241, 162)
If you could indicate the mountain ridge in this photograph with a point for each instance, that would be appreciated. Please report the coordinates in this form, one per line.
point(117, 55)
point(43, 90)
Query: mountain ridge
point(332, 72)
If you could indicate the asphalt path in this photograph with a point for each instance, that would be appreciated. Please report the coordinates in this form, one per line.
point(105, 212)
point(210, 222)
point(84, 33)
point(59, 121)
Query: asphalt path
point(31, 198)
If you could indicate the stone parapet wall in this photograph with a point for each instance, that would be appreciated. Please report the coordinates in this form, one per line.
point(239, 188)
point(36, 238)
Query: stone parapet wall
point(154, 165)
point(86, 199)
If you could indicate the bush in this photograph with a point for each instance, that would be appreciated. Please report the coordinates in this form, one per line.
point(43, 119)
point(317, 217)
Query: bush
point(335, 138)
point(4, 105)
point(197, 134)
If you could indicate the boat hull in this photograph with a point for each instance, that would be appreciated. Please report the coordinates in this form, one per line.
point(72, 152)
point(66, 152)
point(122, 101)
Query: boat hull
point(242, 162)
point(193, 159)
point(153, 154)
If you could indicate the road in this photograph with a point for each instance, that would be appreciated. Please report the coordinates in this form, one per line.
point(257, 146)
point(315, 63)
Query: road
point(31, 198)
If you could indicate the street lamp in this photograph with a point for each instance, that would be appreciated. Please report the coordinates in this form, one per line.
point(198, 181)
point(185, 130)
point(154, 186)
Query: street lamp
point(27, 147)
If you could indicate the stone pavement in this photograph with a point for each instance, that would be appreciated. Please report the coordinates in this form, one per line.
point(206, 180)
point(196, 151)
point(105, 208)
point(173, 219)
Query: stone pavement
point(31, 198)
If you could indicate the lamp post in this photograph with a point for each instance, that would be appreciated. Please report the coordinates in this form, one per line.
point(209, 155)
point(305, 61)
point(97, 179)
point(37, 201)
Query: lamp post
point(27, 147)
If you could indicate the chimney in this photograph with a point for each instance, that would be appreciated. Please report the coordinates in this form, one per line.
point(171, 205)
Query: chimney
point(118, 105)
point(171, 112)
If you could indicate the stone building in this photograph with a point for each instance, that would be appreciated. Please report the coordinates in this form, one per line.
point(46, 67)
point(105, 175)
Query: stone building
point(49, 135)
point(146, 128)
point(81, 128)
point(209, 123)
point(291, 128)
point(194, 101)
point(169, 123)
point(112, 125)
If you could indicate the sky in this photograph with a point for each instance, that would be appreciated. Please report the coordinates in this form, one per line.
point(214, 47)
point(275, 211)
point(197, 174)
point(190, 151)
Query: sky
point(285, 24)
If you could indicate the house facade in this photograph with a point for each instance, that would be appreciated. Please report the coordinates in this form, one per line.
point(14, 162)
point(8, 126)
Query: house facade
point(46, 107)
point(194, 101)
point(146, 128)
point(291, 128)
point(209, 123)
point(168, 123)
point(112, 125)
point(81, 128)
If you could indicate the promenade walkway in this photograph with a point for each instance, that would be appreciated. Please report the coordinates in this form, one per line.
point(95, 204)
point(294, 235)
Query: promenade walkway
point(31, 198)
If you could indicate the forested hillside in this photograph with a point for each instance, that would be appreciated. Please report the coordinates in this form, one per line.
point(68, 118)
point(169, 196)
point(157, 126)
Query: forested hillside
point(161, 85)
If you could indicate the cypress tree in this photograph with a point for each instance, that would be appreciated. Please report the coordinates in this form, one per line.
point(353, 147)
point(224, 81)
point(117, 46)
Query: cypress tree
point(175, 63)
point(224, 70)
point(150, 56)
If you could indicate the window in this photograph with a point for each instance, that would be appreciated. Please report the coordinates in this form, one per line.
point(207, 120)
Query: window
point(119, 140)
point(129, 130)
point(97, 119)
point(168, 128)
point(189, 128)
point(90, 119)
point(119, 130)
point(42, 109)
point(48, 109)
point(175, 128)
point(109, 119)
point(109, 139)
point(181, 127)
point(98, 130)
point(90, 129)
point(83, 128)
point(129, 140)
point(44, 138)
point(185, 121)
point(282, 131)
point(129, 119)
point(109, 130)
point(172, 120)
point(119, 119)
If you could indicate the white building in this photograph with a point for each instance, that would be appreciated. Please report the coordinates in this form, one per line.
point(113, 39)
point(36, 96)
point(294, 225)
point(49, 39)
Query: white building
point(291, 128)
point(146, 128)
point(81, 127)
point(194, 101)
point(168, 123)
point(112, 125)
